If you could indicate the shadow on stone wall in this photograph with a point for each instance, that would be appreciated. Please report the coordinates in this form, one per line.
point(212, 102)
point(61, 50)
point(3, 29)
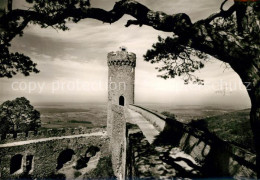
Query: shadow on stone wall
point(171, 134)
point(154, 161)
point(216, 157)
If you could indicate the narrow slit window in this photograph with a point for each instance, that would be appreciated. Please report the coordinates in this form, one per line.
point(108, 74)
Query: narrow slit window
point(121, 101)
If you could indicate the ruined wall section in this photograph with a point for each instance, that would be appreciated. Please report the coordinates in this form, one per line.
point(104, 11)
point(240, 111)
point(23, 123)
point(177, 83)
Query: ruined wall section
point(45, 153)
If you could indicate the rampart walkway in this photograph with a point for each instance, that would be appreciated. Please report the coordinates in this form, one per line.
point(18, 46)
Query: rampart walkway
point(147, 128)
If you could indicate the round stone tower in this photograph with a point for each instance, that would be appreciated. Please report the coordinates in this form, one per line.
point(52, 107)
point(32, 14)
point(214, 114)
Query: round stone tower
point(121, 79)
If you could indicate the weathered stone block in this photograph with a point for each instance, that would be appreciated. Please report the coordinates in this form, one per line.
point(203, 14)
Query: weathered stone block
point(81, 130)
point(76, 131)
point(20, 136)
point(39, 134)
point(183, 140)
point(206, 150)
point(31, 134)
point(61, 132)
point(193, 141)
point(49, 133)
point(9, 137)
point(68, 131)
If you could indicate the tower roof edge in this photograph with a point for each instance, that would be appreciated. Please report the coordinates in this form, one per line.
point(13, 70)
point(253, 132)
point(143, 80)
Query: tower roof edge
point(121, 56)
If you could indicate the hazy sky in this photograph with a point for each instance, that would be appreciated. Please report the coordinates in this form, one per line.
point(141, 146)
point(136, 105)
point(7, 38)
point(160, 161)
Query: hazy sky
point(74, 68)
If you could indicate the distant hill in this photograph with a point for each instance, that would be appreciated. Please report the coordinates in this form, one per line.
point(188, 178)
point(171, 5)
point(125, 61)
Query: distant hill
point(233, 127)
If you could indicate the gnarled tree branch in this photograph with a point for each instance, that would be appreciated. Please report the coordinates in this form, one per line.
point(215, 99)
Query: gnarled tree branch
point(200, 35)
point(176, 23)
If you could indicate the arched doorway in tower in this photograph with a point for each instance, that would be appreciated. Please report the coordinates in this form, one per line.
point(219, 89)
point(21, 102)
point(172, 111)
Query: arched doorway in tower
point(121, 101)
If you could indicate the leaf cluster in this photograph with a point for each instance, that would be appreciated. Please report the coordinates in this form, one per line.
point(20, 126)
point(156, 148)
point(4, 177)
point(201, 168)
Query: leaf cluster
point(56, 8)
point(13, 63)
point(12, 25)
point(176, 59)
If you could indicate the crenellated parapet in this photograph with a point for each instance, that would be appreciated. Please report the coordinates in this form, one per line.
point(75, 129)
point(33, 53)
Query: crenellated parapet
point(121, 63)
point(46, 133)
point(121, 58)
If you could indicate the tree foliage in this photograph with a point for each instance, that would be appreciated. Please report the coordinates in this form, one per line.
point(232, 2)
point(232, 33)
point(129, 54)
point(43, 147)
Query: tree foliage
point(179, 56)
point(13, 63)
point(18, 116)
point(176, 59)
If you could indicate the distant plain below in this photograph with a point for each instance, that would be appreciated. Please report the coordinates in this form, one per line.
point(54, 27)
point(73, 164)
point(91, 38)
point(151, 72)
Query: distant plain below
point(63, 115)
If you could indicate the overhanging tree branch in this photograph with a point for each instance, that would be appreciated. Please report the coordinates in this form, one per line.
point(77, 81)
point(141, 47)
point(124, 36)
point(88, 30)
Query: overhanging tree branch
point(158, 20)
point(200, 35)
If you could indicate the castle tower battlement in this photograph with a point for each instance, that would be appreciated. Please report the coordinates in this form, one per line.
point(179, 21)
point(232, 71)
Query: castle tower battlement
point(121, 58)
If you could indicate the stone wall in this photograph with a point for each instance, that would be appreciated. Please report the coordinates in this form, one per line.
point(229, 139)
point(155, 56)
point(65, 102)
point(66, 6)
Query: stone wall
point(217, 158)
point(149, 161)
point(44, 153)
point(118, 141)
point(5, 6)
point(158, 120)
point(46, 133)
